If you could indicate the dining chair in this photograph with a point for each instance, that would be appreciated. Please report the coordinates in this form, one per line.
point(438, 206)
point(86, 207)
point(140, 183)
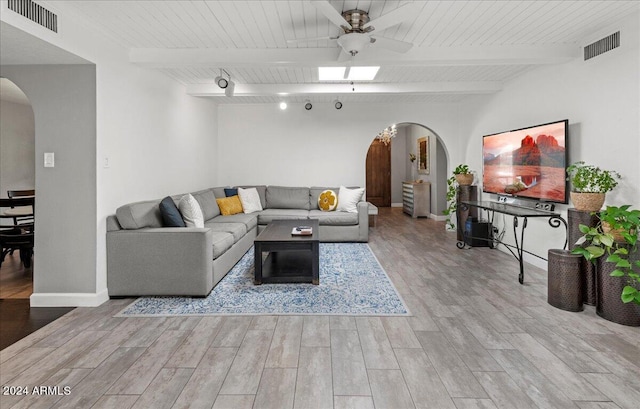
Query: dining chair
point(17, 236)
point(11, 194)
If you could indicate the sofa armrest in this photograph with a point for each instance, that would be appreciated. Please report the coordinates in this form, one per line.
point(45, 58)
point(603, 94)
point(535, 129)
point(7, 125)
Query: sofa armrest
point(160, 261)
point(363, 221)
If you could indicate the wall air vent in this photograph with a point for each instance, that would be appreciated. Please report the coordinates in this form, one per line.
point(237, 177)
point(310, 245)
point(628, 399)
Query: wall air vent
point(602, 46)
point(35, 13)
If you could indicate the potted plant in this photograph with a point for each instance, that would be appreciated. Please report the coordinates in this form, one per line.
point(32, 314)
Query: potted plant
point(462, 175)
point(618, 280)
point(590, 185)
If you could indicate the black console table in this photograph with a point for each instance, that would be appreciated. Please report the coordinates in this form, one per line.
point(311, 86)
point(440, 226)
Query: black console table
point(518, 212)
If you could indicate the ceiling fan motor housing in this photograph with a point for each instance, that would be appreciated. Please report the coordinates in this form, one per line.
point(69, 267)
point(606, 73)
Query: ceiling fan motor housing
point(357, 19)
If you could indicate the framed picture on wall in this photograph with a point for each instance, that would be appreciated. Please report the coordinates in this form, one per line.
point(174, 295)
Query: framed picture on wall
point(423, 155)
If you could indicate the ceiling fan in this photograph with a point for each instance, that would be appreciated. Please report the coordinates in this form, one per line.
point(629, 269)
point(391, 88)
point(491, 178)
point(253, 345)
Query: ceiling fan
point(359, 30)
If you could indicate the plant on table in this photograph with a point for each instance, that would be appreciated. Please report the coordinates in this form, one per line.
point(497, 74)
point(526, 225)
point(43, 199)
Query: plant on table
point(590, 185)
point(602, 240)
point(452, 185)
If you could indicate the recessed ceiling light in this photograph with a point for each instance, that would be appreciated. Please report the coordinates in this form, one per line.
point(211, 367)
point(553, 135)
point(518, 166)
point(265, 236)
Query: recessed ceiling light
point(354, 74)
point(283, 105)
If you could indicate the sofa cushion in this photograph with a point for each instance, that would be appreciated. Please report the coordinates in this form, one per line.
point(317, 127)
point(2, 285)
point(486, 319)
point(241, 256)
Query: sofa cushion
point(218, 192)
point(139, 215)
point(191, 212)
point(250, 200)
point(262, 192)
point(334, 218)
point(207, 201)
point(283, 197)
point(249, 220)
point(237, 230)
point(230, 191)
point(348, 199)
point(222, 241)
point(229, 205)
point(268, 215)
point(171, 216)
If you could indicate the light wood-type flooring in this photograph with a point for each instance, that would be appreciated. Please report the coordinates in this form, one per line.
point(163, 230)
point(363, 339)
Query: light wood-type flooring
point(477, 339)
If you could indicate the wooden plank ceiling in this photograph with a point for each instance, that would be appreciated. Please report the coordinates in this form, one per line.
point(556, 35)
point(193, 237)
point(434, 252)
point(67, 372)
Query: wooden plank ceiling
point(454, 42)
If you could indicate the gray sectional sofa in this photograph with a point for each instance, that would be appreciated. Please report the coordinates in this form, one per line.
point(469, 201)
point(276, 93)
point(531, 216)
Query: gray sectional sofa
point(144, 258)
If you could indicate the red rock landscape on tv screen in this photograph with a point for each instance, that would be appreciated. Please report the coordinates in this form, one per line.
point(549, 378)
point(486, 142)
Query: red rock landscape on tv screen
point(527, 163)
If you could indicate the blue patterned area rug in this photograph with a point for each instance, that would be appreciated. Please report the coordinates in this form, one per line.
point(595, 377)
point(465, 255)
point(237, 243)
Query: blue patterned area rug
point(352, 282)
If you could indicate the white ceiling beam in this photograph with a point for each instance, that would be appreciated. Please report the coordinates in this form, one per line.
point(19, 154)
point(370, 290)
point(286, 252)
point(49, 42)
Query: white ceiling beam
point(313, 57)
point(420, 88)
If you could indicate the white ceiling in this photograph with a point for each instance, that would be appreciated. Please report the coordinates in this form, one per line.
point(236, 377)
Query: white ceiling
point(459, 47)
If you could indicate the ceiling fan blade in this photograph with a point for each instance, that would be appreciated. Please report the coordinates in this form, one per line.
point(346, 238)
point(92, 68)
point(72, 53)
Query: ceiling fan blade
point(332, 14)
point(391, 44)
point(394, 17)
point(304, 40)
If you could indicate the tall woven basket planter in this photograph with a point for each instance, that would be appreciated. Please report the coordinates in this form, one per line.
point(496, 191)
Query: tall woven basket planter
point(565, 287)
point(575, 219)
point(609, 305)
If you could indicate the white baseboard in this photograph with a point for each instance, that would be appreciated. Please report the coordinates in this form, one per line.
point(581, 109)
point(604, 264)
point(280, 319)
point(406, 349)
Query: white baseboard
point(68, 299)
point(438, 218)
point(396, 204)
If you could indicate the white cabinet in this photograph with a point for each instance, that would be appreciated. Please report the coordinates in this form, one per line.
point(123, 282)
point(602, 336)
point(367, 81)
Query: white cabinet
point(416, 198)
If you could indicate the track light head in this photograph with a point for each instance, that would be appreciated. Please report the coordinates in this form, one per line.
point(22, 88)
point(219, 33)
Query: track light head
point(230, 87)
point(337, 104)
point(222, 82)
point(307, 105)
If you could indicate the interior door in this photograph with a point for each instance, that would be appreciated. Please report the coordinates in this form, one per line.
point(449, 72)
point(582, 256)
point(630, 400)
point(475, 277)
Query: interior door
point(379, 174)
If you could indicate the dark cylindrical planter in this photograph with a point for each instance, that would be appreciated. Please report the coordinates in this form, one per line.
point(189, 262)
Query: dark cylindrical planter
point(465, 194)
point(588, 269)
point(565, 288)
point(609, 305)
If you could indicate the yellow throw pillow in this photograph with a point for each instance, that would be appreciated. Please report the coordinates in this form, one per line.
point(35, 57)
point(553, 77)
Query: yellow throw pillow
point(229, 205)
point(327, 201)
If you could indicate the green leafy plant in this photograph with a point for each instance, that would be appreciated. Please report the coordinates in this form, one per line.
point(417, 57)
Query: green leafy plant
point(600, 243)
point(591, 179)
point(452, 185)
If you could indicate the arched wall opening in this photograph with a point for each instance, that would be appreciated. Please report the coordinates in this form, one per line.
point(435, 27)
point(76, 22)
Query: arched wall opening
point(402, 168)
point(17, 172)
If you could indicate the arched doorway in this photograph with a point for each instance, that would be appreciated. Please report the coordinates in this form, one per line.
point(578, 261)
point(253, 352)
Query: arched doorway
point(378, 181)
point(387, 166)
point(17, 173)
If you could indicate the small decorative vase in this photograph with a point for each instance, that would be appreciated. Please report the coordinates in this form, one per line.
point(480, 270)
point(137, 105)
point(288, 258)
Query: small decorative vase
point(588, 202)
point(465, 179)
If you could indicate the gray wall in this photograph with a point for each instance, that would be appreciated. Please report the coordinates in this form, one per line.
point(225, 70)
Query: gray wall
point(17, 147)
point(63, 98)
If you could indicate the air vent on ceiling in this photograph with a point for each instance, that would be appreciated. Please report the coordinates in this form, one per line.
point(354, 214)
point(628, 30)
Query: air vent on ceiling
point(35, 13)
point(602, 46)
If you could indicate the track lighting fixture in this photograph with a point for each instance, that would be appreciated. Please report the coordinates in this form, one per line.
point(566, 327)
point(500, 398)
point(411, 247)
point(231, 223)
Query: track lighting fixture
point(221, 81)
point(307, 105)
point(229, 90)
point(337, 104)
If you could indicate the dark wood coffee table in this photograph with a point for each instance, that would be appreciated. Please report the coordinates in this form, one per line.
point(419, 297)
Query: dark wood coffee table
point(291, 259)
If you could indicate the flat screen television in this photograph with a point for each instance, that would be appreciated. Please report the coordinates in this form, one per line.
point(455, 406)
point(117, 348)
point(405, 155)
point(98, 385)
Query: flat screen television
point(528, 162)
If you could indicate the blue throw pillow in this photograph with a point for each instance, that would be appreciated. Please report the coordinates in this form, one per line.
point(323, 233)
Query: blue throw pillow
point(228, 192)
point(171, 216)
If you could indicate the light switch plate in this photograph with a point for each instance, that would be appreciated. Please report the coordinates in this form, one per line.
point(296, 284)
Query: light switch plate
point(49, 160)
